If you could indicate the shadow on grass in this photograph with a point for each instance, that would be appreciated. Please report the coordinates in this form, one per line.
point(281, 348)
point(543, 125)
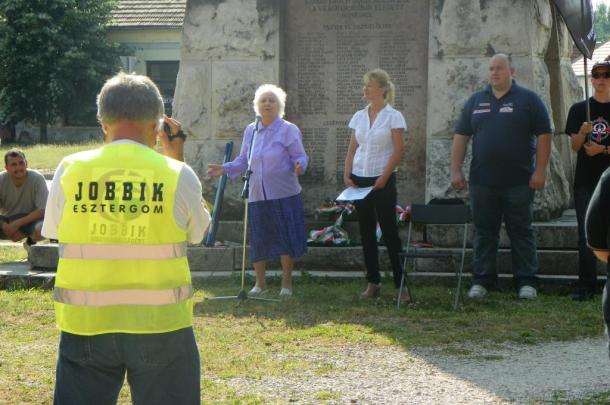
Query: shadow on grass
point(328, 310)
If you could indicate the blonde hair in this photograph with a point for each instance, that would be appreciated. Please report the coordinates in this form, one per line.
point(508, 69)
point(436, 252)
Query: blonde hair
point(382, 78)
point(279, 94)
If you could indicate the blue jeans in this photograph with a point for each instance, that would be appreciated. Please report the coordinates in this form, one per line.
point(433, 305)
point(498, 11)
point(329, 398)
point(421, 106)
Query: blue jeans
point(587, 269)
point(490, 205)
point(161, 368)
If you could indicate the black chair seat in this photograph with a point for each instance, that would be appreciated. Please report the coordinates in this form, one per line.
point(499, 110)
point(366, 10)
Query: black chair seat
point(437, 212)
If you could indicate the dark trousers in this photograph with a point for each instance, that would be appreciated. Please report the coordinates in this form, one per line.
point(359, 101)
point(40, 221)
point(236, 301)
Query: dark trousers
point(491, 205)
point(587, 271)
point(26, 230)
point(162, 368)
point(379, 206)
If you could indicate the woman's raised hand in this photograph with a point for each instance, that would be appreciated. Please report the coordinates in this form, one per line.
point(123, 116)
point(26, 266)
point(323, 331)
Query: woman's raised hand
point(215, 170)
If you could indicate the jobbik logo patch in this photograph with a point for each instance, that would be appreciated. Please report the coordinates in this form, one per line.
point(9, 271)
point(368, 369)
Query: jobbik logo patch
point(119, 203)
point(600, 130)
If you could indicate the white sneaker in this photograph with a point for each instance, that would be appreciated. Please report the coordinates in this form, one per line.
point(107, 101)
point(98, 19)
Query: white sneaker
point(527, 292)
point(477, 292)
point(285, 293)
point(255, 291)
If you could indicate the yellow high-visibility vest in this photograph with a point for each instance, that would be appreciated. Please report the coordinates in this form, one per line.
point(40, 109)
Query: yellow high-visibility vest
point(122, 258)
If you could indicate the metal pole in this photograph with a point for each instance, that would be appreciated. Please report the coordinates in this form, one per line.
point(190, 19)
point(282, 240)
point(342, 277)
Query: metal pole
point(584, 58)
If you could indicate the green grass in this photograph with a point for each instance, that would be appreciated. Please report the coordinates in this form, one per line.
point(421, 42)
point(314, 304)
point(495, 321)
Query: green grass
point(252, 340)
point(46, 157)
point(602, 398)
point(12, 254)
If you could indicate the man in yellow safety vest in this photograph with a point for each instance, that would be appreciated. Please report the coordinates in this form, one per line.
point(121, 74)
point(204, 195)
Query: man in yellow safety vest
point(123, 215)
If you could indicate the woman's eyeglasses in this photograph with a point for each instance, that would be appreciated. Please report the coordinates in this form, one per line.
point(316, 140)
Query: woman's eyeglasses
point(599, 75)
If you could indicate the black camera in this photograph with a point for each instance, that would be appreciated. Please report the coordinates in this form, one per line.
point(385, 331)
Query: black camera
point(168, 131)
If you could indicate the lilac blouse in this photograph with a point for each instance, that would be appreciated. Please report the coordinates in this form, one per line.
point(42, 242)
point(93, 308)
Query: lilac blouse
point(276, 149)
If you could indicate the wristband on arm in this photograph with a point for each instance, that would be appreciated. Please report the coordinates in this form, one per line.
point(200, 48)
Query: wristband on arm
point(179, 134)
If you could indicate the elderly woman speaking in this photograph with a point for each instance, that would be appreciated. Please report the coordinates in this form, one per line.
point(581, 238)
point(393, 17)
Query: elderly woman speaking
point(276, 222)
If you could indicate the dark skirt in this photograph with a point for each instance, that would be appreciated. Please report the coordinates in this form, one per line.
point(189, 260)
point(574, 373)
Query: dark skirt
point(276, 228)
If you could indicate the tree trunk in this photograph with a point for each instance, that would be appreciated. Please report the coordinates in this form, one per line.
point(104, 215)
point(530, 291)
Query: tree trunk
point(13, 137)
point(43, 132)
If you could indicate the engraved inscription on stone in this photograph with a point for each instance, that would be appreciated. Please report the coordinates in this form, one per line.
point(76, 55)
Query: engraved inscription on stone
point(329, 46)
point(314, 141)
point(310, 63)
point(343, 135)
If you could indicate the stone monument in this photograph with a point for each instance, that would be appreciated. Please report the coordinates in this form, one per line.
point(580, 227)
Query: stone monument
point(318, 50)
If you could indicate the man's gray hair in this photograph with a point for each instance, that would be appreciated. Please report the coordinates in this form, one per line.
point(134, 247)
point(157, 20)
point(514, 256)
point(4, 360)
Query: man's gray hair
point(129, 97)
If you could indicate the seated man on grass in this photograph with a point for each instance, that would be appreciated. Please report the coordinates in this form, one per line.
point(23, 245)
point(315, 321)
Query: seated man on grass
point(23, 196)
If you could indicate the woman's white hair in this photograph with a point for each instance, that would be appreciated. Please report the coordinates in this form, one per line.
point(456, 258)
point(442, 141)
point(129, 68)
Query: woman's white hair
point(279, 94)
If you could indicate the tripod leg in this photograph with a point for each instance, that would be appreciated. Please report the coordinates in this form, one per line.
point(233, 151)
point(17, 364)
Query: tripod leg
point(243, 256)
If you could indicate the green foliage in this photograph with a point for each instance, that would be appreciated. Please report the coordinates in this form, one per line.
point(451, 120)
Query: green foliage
point(602, 22)
point(55, 56)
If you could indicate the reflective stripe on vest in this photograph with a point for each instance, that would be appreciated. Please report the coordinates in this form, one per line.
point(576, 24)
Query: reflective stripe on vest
point(122, 252)
point(123, 297)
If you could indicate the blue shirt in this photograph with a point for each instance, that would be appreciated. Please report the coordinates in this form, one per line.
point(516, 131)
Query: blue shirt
point(504, 135)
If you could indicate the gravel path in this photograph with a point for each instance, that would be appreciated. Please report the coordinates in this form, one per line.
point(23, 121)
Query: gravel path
point(390, 375)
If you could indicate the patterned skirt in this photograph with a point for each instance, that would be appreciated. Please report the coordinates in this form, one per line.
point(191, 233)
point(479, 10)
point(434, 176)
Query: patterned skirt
point(276, 228)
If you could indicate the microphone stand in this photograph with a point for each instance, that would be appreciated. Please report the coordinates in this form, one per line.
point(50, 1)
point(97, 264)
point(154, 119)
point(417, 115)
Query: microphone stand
point(245, 193)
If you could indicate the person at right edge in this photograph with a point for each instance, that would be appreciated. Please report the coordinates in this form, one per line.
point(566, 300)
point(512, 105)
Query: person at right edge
point(123, 215)
point(511, 144)
point(376, 147)
point(590, 140)
point(597, 230)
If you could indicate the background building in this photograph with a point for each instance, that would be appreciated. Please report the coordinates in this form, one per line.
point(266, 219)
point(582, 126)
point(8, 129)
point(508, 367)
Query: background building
point(601, 52)
point(151, 30)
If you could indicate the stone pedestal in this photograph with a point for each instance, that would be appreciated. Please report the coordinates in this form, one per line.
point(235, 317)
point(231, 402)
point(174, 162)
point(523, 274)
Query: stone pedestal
point(463, 35)
point(436, 51)
point(228, 49)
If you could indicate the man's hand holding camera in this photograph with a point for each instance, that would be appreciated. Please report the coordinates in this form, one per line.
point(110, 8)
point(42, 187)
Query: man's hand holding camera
point(172, 138)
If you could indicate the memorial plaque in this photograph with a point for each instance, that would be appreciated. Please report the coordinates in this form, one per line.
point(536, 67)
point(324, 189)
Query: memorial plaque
point(329, 45)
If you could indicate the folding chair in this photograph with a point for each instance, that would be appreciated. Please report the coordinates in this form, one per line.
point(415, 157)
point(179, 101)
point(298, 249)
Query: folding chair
point(437, 212)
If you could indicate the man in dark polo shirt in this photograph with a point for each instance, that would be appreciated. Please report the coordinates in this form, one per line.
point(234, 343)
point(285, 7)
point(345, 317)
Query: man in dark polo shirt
point(511, 143)
point(597, 227)
point(591, 141)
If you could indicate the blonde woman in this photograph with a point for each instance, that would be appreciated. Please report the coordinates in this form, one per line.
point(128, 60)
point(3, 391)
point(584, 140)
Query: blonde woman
point(375, 149)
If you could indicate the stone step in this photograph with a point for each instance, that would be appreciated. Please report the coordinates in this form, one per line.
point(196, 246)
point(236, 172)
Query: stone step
point(561, 233)
point(552, 262)
point(557, 243)
point(26, 277)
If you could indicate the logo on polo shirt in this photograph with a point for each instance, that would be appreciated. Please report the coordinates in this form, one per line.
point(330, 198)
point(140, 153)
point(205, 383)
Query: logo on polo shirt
point(482, 108)
point(506, 108)
point(600, 130)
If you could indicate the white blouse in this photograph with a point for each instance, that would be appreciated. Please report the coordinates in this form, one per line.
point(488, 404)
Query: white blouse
point(375, 145)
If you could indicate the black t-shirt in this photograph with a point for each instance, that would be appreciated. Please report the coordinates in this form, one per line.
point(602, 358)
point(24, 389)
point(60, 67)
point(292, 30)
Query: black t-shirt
point(590, 168)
